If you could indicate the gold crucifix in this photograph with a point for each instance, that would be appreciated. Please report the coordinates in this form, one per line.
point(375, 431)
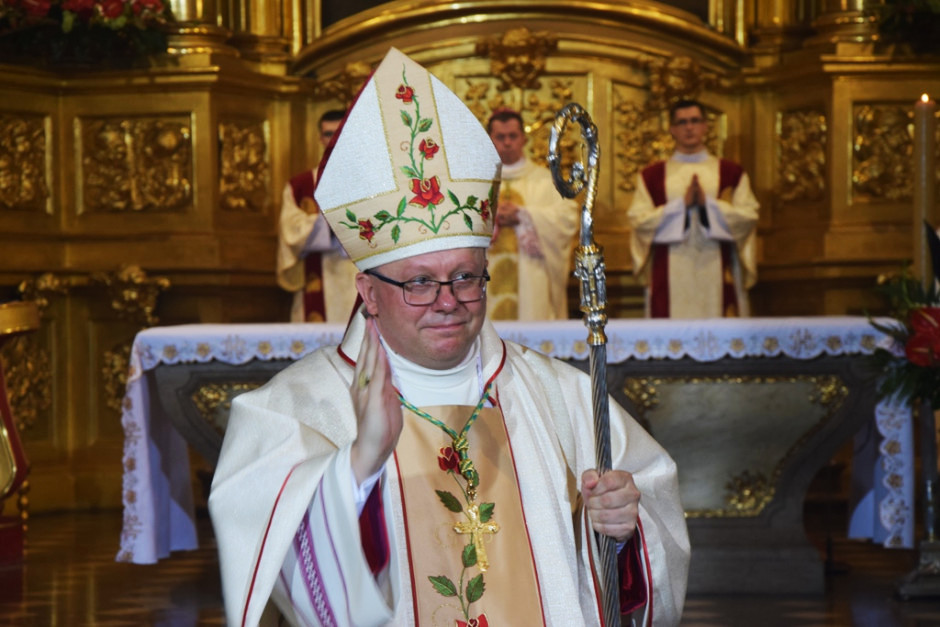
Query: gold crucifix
point(476, 529)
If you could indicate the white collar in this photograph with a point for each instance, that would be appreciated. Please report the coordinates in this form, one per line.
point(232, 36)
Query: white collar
point(695, 157)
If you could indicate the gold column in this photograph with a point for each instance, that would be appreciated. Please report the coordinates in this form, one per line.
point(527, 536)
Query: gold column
point(262, 28)
point(844, 21)
point(781, 24)
point(197, 30)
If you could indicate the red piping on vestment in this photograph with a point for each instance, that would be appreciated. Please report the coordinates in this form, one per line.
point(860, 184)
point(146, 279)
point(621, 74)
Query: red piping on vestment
point(264, 539)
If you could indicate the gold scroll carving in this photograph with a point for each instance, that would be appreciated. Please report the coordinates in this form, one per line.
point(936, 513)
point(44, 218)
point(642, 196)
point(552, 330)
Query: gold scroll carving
point(801, 158)
point(27, 364)
point(517, 65)
point(641, 129)
point(209, 398)
point(23, 183)
point(133, 296)
point(345, 85)
point(244, 167)
point(882, 151)
point(136, 164)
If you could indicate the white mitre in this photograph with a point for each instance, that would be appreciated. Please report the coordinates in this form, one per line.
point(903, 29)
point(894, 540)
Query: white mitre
point(411, 170)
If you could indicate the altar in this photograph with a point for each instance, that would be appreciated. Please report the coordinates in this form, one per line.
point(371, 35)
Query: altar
point(749, 409)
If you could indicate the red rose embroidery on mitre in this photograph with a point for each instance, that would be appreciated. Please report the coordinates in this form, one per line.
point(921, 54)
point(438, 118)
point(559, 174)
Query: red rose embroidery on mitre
point(405, 94)
point(427, 192)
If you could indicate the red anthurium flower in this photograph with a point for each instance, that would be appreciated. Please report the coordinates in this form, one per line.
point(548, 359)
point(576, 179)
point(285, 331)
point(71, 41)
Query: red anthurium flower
point(427, 192)
point(448, 459)
point(405, 94)
point(428, 147)
point(923, 347)
point(366, 230)
point(479, 621)
point(926, 320)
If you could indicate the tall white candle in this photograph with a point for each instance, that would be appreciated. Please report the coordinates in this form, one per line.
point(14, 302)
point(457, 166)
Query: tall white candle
point(925, 176)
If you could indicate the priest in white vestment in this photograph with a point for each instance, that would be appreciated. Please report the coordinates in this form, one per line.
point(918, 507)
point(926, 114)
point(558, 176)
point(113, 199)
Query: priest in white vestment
point(425, 471)
point(311, 263)
point(693, 220)
point(530, 256)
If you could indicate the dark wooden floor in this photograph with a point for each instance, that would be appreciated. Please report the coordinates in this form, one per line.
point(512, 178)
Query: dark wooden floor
point(70, 578)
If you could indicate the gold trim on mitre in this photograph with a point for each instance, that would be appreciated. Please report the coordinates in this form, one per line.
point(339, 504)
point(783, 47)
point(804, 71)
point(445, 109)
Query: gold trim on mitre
point(411, 170)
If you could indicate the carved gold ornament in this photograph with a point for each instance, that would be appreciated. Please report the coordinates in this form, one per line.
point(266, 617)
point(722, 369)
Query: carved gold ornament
point(211, 397)
point(23, 170)
point(882, 151)
point(801, 158)
point(517, 58)
point(136, 164)
point(243, 165)
point(133, 296)
point(345, 85)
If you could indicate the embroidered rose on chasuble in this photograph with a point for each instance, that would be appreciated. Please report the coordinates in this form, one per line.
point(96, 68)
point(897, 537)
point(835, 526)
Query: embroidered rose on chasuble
point(448, 460)
point(479, 621)
point(428, 148)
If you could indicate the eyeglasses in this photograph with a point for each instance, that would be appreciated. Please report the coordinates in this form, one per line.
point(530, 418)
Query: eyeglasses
point(687, 121)
point(467, 288)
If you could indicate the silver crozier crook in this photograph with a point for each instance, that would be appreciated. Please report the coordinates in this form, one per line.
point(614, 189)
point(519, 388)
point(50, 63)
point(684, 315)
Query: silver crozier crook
point(589, 268)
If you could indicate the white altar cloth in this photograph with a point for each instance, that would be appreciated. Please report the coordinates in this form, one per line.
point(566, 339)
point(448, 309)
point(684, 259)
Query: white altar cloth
point(158, 502)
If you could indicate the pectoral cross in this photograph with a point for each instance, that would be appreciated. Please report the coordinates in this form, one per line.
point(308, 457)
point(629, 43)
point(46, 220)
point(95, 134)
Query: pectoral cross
point(476, 528)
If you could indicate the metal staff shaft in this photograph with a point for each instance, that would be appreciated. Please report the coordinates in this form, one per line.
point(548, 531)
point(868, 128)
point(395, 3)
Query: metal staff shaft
point(589, 268)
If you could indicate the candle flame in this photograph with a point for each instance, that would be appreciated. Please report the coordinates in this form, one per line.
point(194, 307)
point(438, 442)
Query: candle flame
point(924, 98)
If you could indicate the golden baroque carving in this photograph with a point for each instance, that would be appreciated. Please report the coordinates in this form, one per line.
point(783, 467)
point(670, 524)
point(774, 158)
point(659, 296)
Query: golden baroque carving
point(641, 129)
point(28, 375)
point(243, 148)
point(26, 363)
point(882, 152)
point(801, 157)
point(137, 164)
point(517, 58)
point(748, 493)
point(344, 86)
point(133, 294)
point(23, 184)
point(114, 375)
point(210, 397)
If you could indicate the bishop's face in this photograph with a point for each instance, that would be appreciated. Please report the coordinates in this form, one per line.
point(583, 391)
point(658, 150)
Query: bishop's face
point(689, 128)
point(438, 335)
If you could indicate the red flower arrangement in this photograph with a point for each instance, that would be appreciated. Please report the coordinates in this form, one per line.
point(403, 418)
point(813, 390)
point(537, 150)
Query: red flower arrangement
point(82, 32)
point(910, 370)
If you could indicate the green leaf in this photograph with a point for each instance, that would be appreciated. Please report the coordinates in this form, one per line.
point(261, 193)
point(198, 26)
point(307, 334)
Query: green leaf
point(396, 233)
point(383, 215)
point(425, 124)
point(469, 556)
point(410, 172)
point(351, 216)
point(486, 511)
point(453, 198)
point(450, 501)
point(402, 204)
point(443, 585)
point(475, 588)
point(472, 201)
point(406, 118)
point(468, 221)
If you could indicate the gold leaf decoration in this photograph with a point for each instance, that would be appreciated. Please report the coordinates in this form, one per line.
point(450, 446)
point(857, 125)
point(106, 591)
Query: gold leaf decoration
point(23, 184)
point(243, 162)
point(136, 164)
